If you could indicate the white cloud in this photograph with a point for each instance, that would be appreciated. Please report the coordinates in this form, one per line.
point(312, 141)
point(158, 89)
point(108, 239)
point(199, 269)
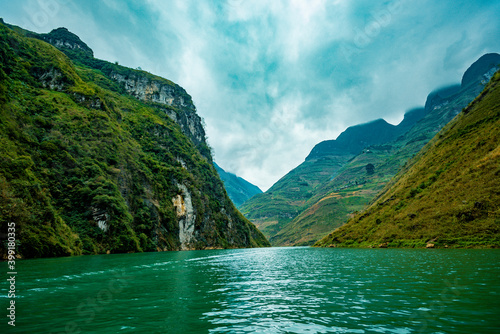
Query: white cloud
point(273, 78)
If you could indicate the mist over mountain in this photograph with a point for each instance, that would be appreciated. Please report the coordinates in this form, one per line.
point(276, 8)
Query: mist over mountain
point(136, 136)
point(341, 176)
point(447, 195)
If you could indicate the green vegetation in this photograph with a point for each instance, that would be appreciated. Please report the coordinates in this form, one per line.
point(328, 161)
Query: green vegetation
point(277, 207)
point(238, 189)
point(86, 168)
point(342, 176)
point(448, 195)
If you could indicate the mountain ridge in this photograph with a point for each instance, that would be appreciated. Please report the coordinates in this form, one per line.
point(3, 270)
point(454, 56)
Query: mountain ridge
point(447, 196)
point(324, 191)
point(91, 164)
point(356, 137)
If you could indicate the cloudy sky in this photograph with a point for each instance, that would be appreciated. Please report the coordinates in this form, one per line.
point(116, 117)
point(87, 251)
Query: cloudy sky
point(273, 78)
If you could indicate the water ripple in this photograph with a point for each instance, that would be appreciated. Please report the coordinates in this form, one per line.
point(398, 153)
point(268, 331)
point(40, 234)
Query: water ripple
point(275, 290)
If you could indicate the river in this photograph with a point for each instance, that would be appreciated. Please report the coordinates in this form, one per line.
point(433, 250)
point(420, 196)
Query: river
point(269, 290)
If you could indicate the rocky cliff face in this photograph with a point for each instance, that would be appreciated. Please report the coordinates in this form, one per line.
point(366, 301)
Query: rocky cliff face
point(97, 158)
point(63, 39)
point(140, 84)
point(167, 93)
point(187, 217)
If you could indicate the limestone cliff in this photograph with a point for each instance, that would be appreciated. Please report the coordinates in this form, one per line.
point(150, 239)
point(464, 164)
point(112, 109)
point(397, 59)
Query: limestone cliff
point(178, 104)
point(97, 157)
point(63, 39)
point(158, 90)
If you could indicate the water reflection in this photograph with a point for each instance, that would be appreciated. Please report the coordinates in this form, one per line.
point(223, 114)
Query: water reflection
point(274, 290)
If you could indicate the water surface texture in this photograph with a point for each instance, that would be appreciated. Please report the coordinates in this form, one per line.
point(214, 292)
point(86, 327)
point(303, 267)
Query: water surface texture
point(273, 290)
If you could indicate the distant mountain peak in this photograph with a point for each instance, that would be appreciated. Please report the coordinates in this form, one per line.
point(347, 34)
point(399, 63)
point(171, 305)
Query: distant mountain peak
point(238, 189)
point(437, 96)
point(482, 67)
point(62, 38)
point(357, 137)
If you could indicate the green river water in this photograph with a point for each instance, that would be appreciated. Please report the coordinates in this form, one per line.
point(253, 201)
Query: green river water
point(270, 290)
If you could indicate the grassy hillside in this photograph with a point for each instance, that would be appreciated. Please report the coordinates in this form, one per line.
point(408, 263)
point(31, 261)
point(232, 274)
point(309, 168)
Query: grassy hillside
point(319, 175)
point(274, 209)
point(448, 195)
point(333, 202)
point(361, 178)
point(86, 168)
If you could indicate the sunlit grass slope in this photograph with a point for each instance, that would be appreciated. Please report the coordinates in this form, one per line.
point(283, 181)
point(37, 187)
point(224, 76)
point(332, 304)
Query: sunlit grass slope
point(448, 195)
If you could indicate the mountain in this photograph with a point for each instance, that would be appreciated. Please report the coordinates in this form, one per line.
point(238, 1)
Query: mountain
point(100, 158)
point(239, 190)
point(279, 205)
point(482, 70)
point(273, 210)
point(447, 196)
point(335, 181)
point(357, 137)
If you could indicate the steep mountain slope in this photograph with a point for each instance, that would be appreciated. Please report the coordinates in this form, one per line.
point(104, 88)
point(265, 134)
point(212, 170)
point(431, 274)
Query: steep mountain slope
point(96, 157)
point(448, 195)
point(354, 186)
point(279, 205)
point(358, 177)
point(239, 190)
point(272, 211)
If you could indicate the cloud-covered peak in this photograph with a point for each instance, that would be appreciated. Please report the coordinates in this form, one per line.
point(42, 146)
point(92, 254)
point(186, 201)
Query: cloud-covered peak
point(274, 78)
